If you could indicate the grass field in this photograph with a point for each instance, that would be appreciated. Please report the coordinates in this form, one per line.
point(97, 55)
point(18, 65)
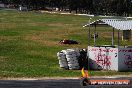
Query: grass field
point(29, 43)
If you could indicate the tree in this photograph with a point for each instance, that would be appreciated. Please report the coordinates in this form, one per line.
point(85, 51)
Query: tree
point(106, 7)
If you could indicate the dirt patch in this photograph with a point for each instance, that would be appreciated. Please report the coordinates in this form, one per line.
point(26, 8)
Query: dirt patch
point(57, 24)
point(4, 26)
point(2, 58)
point(41, 40)
point(4, 38)
point(36, 24)
point(108, 34)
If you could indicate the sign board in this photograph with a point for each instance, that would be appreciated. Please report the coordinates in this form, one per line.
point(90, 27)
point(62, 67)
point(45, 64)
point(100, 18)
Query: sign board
point(109, 82)
point(125, 59)
point(109, 58)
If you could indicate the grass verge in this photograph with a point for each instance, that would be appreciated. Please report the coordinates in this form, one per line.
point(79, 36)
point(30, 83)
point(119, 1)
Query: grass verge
point(29, 43)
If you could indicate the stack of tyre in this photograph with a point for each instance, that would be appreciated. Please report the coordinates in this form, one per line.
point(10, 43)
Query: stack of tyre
point(69, 59)
point(62, 60)
point(72, 56)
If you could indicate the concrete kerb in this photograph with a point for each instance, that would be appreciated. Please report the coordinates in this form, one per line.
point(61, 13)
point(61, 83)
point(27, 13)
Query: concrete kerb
point(65, 78)
point(42, 78)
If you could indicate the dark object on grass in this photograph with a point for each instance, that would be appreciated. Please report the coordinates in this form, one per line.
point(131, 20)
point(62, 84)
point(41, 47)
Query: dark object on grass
point(68, 42)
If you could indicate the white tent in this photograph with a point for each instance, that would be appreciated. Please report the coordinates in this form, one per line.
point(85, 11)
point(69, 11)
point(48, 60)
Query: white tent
point(119, 24)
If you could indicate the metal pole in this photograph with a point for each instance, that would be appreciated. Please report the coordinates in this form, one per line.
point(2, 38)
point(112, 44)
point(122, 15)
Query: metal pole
point(131, 35)
point(89, 34)
point(94, 40)
point(95, 35)
point(118, 37)
point(88, 46)
point(113, 37)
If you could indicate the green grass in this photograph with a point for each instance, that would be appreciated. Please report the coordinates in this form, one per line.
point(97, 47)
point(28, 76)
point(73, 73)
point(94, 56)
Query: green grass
point(29, 43)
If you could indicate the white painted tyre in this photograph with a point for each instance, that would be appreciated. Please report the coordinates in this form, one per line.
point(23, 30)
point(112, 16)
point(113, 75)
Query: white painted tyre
point(63, 65)
point(63, 62)
point(62, 57)
point(70, 59)
point(71, 56)
point(74, 68)
point(59, 54)
point(64, 51)
point(71, 65)
point(70, 49)
point(69, 52)
point(75, 62)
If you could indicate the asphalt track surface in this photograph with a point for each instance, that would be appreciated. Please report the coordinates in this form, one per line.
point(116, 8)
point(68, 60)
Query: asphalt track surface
point(54, 83)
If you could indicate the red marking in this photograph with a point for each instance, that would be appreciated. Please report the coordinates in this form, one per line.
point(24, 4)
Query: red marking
point(130, 50)
point(103, 50)
point(103, 60)
point(128, 61)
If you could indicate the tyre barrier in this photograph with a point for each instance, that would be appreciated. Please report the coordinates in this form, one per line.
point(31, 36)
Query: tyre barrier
point(73, 59)
point(62, 60)
point(69, 58)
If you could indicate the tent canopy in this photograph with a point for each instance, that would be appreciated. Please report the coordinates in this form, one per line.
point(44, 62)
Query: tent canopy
point(119, 24)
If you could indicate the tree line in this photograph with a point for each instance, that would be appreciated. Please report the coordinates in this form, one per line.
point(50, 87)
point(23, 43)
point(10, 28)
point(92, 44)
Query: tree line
point(103, 7)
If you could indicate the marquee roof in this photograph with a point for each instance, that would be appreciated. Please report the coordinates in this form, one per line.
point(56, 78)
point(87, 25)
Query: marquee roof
point(119, 24)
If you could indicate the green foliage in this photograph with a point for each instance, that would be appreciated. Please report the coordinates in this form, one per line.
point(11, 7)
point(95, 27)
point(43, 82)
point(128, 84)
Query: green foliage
point(97, 7)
